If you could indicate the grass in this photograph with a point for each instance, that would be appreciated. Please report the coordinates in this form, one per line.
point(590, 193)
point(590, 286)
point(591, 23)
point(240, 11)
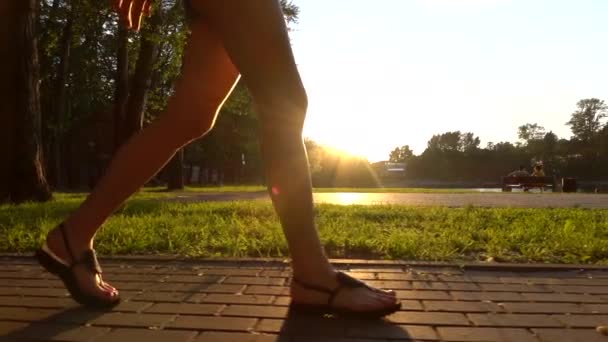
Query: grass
point(257, 188)
point(146, 225)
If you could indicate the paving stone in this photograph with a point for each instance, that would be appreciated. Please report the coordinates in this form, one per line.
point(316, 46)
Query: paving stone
point(485, 334)
point(306, 326)
point(267, 290)
point(212, 323)
point(255, 311)
point(33, 291)
point(429, 285)
point(26, 314)
point(596, 308)
point(174, 297)
point(543, 308)
point(126, 277)
point(569, 335)
point(579, 289)
point(462, 286)
point(255, 281)
point(406, 276)
point(514, 320)
point(365, 276)
point(199, 279)
point(184, 308)
point(37, 302)
point(377, 330)
point(232, 272)
point(421, 294)
point(390, 284)
point(14, 331)
point(237, 299)
point(282, 300)
point(119, 319)
point(209, 336)
point(44, 283)
point(562, 298)
point(331, 339)
point(387, 269)
point(491, 296)
point(431, 318)
point(582, 321)
point(179, 287)
point(458, 306)
point(128, 285)
point(275, 273)
point(134, 335)
point(513, 288)
point(221, 288)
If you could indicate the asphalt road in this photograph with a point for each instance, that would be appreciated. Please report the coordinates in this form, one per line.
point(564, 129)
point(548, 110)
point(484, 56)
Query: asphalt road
point(521, 200)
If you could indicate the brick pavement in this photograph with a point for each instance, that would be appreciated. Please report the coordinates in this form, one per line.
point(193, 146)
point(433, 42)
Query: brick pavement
point(169, 300)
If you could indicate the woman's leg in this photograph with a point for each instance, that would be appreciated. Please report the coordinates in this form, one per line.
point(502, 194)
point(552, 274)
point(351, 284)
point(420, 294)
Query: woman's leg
point(255, 35)
point(208, 78)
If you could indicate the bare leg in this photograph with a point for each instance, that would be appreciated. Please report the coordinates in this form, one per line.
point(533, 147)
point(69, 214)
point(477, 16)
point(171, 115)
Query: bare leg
point(255, 36)
point(208, 79)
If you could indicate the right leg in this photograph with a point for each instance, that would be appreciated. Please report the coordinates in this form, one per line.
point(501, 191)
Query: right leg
point(208, 77)
point(255, 36)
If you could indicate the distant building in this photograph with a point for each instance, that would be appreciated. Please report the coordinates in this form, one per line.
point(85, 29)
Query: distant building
point(389, 169)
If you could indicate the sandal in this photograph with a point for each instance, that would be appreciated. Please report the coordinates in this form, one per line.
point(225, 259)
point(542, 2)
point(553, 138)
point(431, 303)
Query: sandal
point(344, 281)
point(55, 265)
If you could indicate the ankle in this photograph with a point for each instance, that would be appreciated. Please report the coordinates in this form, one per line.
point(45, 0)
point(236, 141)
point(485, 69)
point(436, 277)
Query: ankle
point(318, 276)
point(77, 242)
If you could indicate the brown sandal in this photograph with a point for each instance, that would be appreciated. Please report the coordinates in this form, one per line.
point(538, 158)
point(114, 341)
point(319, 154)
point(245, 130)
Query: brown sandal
point(344, 281)
point(55, 265)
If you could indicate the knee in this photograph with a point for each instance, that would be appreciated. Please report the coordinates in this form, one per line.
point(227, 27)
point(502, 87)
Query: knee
point(285, 109)
point(192, 127)
point(180, 129)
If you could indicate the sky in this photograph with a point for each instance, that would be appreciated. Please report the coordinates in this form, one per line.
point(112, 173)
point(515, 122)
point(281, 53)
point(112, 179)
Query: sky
point(386, 73)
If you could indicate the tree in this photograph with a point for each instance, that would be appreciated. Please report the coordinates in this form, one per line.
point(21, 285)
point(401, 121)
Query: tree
point(401, 154)
point(529, 132)
point(586, 121)
point(468, 142)
point(22, 176)
point(449, 141)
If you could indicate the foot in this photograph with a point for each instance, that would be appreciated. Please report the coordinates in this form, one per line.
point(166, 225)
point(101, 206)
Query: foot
point(357, 299)
point(90, 283)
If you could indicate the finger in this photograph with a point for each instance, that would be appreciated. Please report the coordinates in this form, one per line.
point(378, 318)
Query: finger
point(135, 14)
point(123, 10)
point(147, 7)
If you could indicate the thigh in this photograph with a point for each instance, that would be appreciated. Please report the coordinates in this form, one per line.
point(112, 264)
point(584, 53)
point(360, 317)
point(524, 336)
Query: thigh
point(208, 74)
point(255, 37)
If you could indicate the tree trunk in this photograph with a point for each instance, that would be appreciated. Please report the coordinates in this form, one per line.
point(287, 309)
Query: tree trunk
point(176, 172)
point(60, 105)
point(22, 175)
point(140, 83)
point(121, 93)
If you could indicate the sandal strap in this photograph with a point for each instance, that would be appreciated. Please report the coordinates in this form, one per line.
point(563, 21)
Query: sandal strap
point(89, 260)
point(312, 286)
point(66, 242)
point(344, 281)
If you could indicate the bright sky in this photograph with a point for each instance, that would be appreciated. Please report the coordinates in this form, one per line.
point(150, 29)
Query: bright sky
point(386, 73)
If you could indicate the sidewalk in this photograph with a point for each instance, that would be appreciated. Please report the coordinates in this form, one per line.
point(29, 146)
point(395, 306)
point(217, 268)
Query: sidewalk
point(246, 301)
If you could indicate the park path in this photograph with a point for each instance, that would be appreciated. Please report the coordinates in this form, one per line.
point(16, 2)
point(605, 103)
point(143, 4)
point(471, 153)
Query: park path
point(520, 200)
point(247, 301)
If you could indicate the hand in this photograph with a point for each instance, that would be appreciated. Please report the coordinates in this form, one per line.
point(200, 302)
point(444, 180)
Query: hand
point(132, 11)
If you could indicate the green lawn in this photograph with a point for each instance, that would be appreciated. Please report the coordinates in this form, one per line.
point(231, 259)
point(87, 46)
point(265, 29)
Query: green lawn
point(250, 228)
point(256, 188)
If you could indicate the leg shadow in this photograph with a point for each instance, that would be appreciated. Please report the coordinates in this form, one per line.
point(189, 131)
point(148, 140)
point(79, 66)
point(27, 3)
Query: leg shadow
point(57, 326)
point(308, 327)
